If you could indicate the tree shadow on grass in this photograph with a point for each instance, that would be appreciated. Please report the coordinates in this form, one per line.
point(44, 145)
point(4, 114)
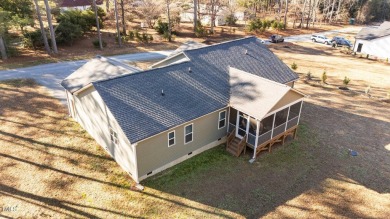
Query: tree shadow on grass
point(318, 156)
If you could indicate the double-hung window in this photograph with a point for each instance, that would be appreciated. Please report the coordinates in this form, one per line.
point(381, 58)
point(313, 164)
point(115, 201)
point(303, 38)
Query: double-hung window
point(113, 136)
point(171, 138)
point(222, 119)
point(188, 133)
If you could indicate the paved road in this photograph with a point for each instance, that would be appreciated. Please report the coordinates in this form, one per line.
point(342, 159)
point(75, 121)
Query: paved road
point(51, 75)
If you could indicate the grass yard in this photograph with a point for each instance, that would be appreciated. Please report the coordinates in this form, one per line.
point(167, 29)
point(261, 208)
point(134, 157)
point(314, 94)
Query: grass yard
point(50, 167)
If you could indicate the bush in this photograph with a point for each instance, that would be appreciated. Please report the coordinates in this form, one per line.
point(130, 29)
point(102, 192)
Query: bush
point(131, 35)
point(145, 38)
point(294, 66)
point(96, 43)
point(33, 39)
point(275, 25)
point(231, 20)
point(200, 31)
point(324, 77)
point(309, 76)
point(346, 81)
point(255, 25)
point(281, 26)
point(138, 36)
point(67, 32)
point(151, 38)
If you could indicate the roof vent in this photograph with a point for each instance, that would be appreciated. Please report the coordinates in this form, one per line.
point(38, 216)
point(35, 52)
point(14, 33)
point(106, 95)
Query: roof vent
point(246, 52)
point(162, 93)
point(189, 69)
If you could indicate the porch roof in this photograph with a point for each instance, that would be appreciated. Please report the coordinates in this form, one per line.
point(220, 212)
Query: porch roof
point(257, 96)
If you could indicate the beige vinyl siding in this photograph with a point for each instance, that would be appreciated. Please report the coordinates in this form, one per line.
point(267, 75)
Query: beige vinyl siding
point(289, 97)
point(291, 84)
point(94, 116)
point(154, 152)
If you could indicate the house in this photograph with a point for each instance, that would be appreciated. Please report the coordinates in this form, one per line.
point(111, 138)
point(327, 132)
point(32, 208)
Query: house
point(77, 4)
point(374, 41)
point(237, 92)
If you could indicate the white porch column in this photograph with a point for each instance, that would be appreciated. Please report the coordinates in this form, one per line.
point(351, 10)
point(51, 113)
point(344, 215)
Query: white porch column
point(273, 125)
point(299, 115)
point(257, 136)
point(288, 113)
point(247, 127)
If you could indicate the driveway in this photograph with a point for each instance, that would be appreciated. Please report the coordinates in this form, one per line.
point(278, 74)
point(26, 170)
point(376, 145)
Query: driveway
point(51, 75)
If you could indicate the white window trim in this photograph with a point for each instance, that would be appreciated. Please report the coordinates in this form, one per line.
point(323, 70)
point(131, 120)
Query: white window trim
point(112, 131)
point(192, 124)
point(174, 138)
point(219, 119)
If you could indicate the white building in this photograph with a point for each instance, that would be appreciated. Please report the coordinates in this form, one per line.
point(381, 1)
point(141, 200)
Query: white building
point(77, 4)
point(374, 41)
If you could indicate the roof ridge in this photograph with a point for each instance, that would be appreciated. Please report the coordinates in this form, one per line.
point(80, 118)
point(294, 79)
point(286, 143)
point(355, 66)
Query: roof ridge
point(221, 43)
point(139, 72)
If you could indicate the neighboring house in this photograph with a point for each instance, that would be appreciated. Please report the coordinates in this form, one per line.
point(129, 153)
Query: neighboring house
point(236, 92)
point(374, 41)
point(77, 4)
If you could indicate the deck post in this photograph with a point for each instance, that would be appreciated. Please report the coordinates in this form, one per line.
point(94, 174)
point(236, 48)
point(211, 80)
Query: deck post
point(248, 120)
point(273, 125)
point(257, 136)
point(288, 114)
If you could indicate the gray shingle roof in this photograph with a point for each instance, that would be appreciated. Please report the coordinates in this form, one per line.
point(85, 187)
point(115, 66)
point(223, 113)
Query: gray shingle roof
point(137, 104)
point(370, 33)
point(96, 69)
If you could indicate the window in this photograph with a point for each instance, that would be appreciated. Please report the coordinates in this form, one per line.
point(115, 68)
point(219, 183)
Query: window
point(171, 138)
point(113, 136)
point(360, 46)
point(222, 119)
point(188, 132)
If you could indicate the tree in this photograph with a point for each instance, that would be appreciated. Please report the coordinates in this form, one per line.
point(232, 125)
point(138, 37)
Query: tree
point(117, 24)
point(43, 33)
point(4, 25)
point(195, 14)
point(97, 25)
point(150, 11)
point(49, 21)
point(285, 15)
point(122, 4)
point(20, 11)
point(169, 21)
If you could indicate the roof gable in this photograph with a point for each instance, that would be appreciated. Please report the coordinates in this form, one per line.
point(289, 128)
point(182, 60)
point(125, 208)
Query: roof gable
point(370, 33)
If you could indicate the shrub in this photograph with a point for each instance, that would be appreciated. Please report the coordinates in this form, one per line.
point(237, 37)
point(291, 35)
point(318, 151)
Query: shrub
point(294, 66)
point(324, 77)
point(33, 39)
point(346, 81)
point(200, 31)
point(151, 38)
point(138, 36)
point(145, 38)
point(231, 20)
point(309, 76)
point(281, 26)
point(96, 43)
point(255, 25)
point(67, 32)
point(131, 35)
point(275, 25)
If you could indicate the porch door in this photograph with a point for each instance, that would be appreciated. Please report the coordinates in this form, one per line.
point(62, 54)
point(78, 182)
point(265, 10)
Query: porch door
point(241, 125)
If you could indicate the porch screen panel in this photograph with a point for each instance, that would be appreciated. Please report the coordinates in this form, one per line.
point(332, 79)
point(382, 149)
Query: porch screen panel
point(263, 138)
point(280, 122)
point(292, 122)
point(294, 111)
point(266, 124)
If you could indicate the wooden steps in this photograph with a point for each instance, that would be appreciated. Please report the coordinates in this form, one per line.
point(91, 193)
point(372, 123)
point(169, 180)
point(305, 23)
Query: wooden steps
point(236, 146)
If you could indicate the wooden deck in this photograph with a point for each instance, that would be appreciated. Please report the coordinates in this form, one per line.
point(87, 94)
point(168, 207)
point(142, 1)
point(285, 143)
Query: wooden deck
point(278, 138)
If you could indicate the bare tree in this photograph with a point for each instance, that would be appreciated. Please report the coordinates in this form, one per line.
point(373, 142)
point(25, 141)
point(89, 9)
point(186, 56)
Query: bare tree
point(150, 11)
point(49, 21)
point(169, 21)
point(43, 32)
point(285, 15)
point(97, 25)
point(195, 14)
point(117, 24)
point(123, 16)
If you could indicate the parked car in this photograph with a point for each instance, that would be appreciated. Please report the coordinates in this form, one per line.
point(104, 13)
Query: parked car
point(276, 38)
point(340, 41)
point(320, 39)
